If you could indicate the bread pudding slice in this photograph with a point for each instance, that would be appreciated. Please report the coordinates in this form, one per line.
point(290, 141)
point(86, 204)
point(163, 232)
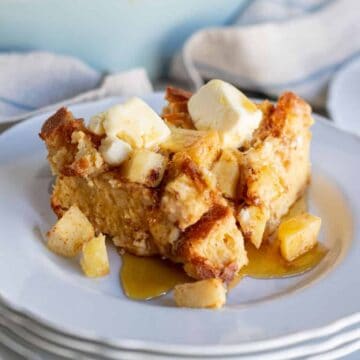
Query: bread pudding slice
point(195, 199)
point(275, 167)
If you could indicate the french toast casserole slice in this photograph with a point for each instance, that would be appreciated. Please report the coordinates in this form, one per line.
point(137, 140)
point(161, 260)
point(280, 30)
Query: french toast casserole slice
point(190, 199)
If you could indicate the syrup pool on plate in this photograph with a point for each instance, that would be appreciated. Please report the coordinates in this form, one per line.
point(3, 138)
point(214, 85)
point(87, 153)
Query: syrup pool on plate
point(144, 278)
point(267, 262)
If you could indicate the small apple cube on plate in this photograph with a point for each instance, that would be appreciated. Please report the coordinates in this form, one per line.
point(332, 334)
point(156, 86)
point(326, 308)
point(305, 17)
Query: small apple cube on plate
point(298, 235)
point(209, 293)
point(94, 260)
point(69, 233)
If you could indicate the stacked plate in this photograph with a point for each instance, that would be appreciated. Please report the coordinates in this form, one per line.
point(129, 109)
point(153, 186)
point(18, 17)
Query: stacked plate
point(343, 96)
point(48, 307)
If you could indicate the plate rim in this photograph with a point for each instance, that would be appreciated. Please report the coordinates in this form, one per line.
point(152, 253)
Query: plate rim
point(251, 348)
point(333, 88)
point(331, 343)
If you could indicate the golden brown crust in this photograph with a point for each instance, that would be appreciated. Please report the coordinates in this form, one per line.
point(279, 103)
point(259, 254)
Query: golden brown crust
point(290, 114)
point(176, 112)
point(173, 94)
point(178, 119)
point(202, 228)
point(73, 149)
point(212, 247)
point(62, 124)
point(189, 168)
point(58, 128)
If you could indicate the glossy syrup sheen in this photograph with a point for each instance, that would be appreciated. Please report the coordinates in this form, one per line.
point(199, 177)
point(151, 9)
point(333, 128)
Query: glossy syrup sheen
point(267, 262)
point(144, 278)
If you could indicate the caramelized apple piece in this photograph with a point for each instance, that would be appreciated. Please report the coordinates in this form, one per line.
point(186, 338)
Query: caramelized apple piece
point(209, 293)
point(227, 172)
point(298, 235)
point(68, 235)
point(94, 260)
point(145, 167)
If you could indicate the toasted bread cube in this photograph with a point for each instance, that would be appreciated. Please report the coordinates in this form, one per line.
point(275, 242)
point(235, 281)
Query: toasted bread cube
point(68, 235)
point(164, 232)
point(265, 186)
point(298, 235)
point(210, 293)
point(94, 260)
point(227, 172)
point(178, 119)
point(88, 160)
point(214, 246)
point(145, 167)
point(184, 202)
point(252, 220)
point(174, 95)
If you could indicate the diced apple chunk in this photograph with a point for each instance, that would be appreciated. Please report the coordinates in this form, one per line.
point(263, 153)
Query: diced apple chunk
point(252, 220)
point(94, 260)
point(227, 172)
point(70, 232)
point(180, 138)
point(209, 293)
point(145, 167)
point(298, 235)
point(202, 146)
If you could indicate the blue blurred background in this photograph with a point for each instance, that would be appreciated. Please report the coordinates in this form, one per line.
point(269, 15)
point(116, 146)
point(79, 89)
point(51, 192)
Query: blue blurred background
point(111, 35)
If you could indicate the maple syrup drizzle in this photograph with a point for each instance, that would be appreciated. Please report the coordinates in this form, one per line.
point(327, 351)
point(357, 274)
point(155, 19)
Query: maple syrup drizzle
point(267, 262)
point(144, 278)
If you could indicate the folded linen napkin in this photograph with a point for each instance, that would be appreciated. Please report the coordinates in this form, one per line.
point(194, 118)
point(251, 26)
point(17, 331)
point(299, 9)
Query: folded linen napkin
point(34, 82)
point(276, 45)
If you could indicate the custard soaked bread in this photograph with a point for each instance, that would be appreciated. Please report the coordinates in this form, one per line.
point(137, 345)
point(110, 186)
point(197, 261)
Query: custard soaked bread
point(275, 167)
point(187, 187)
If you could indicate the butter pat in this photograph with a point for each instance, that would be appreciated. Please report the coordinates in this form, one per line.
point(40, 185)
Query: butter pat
point(222, 107)
point(136, 123)
point(114, 151)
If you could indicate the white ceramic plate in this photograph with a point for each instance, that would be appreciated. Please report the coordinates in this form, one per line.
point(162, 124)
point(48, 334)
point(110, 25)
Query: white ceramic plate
point(36, 338)
point(344, 97)
point(30, 344)
point(260, 314)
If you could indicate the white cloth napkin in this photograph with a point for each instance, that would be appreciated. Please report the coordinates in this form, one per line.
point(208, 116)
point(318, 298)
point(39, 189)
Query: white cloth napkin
point(34, 82)
point(276, 45)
